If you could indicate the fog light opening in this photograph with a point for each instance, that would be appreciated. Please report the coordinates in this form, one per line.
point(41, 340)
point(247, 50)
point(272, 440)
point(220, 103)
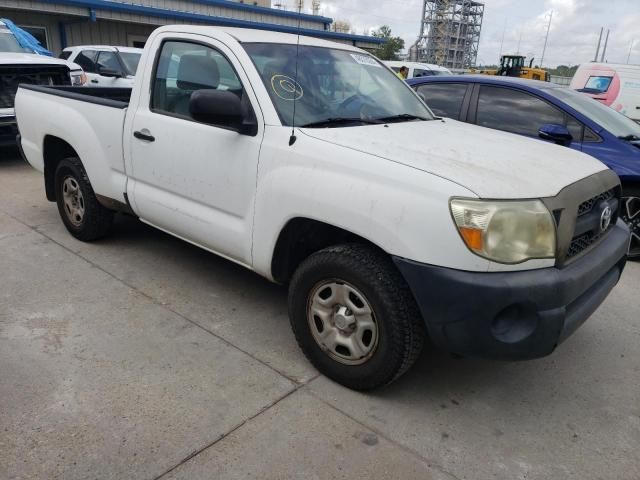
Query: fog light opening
point(514, 324)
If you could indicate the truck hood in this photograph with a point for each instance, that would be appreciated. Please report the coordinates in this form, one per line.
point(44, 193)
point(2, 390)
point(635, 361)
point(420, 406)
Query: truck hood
point(10, 58)
point(490, 163)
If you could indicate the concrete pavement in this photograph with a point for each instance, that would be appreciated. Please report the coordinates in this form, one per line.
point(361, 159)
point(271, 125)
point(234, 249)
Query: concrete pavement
point(141, 356)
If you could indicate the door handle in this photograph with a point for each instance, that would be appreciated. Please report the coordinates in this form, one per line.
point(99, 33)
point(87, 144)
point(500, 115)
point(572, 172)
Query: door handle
point(94, 81)
point(144, 136)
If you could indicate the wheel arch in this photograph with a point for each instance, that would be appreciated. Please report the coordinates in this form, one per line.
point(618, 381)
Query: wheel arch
point(300, 238)
point(54, 150)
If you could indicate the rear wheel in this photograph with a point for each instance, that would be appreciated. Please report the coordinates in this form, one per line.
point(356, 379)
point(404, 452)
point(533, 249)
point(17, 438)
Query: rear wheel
point(354, 316)
point(630, 214)
point(78, 206)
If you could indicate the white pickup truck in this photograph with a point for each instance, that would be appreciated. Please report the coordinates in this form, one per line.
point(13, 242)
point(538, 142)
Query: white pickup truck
point(389, 225)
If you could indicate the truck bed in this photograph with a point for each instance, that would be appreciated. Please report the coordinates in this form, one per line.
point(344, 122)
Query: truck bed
point(108, 97)
point(89, 120)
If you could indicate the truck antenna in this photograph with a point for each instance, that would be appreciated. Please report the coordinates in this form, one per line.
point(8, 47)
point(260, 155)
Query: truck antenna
point(293, 137)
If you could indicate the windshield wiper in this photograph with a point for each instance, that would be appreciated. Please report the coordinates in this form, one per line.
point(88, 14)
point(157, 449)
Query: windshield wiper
point(629, 138)
point(403, 117)
point(335, 122)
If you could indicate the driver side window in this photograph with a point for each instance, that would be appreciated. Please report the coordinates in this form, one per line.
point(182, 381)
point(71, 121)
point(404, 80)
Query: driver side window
point(182, 69)
point(515, 111)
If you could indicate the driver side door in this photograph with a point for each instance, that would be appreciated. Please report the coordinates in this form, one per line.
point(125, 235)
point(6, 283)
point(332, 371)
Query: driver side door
point(195, 180)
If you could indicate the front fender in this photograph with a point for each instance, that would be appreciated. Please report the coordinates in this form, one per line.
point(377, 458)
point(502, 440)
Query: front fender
point(402, 210)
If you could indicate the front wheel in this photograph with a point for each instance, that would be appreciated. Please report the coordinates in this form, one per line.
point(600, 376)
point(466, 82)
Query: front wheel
point(630, 214)
point(354, 316)
point(78, 206)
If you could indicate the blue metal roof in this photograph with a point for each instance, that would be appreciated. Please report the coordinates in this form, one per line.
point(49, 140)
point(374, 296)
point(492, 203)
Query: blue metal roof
point(223, 21)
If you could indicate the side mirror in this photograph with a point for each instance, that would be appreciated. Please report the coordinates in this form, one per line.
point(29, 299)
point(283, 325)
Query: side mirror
point(555, 133)
point(107, 72)
point(222, 109)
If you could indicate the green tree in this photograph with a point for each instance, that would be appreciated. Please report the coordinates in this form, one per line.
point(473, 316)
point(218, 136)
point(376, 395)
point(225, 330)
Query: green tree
point(564, 71)
point(392, 46)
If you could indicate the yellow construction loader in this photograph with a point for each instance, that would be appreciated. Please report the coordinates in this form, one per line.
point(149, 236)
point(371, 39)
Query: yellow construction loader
point(514, 66)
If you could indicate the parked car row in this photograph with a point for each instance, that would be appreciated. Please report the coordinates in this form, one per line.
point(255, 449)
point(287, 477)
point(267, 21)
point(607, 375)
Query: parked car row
point(24, 60)
point(549, 112)
point(20, 63)
point(312, 164)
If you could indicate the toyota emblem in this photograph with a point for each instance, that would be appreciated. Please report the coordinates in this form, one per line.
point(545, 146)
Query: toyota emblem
point(605, 219)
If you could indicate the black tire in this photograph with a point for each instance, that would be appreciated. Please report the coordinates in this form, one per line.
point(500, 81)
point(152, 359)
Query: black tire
point(630, 213)
point(400, 328)
point(96, 220)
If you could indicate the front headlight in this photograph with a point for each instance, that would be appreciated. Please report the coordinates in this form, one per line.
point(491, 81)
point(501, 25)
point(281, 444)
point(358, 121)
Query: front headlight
point(78, 78)
point(506, 231)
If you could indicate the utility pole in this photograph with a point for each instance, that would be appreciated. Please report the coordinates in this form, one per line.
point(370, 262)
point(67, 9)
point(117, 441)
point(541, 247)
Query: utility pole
point(599, 43)
point(606, 43)
point(546, 39)
point(630, 51)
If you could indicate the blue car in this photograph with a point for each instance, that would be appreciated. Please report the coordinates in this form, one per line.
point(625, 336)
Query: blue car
point(550, 113)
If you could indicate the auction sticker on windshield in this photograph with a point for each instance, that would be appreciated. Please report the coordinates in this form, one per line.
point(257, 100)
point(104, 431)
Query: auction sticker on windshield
point(365, 60)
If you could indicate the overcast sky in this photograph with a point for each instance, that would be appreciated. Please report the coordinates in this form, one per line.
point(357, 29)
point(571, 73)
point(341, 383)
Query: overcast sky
point(574, 30)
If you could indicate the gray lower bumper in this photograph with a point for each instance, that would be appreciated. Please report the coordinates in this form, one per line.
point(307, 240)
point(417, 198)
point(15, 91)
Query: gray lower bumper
point(515, 315)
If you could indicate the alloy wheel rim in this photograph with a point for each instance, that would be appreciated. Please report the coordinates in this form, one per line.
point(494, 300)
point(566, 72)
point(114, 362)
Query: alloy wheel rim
point(630, 214)
point(73, 201)
point(342, 322)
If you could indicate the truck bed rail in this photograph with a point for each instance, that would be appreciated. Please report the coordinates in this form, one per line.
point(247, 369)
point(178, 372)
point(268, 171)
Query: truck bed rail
point(108, 97)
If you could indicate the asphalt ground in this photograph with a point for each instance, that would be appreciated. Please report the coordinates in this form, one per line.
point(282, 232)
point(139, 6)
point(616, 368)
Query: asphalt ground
point(141, 356)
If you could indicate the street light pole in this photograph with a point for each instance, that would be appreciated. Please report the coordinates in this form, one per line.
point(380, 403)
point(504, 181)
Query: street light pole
point(630, 50)
point(546, 39)
point(519, 42)
point(504, 31)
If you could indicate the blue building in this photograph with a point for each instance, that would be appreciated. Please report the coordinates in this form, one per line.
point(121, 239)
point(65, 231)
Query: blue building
point(62, 23)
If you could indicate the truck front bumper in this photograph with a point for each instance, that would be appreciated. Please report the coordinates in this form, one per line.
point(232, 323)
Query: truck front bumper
point(8, 130)
point(515, 315)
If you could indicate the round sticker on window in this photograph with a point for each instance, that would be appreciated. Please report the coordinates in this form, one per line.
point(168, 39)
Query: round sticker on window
point(286, 88)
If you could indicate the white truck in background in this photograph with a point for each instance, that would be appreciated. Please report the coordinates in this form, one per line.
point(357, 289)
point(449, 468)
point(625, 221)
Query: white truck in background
point(313, 165)
point(105, 66)
point(417, 69)
point(21, 65)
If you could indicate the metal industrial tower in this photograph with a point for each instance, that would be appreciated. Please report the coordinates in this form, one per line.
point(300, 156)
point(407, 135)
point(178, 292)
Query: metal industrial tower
point(450, 33)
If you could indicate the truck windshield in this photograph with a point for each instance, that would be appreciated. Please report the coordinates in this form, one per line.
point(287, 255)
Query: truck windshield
point(612, 121)
point(334, 88)
point(8, 42)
